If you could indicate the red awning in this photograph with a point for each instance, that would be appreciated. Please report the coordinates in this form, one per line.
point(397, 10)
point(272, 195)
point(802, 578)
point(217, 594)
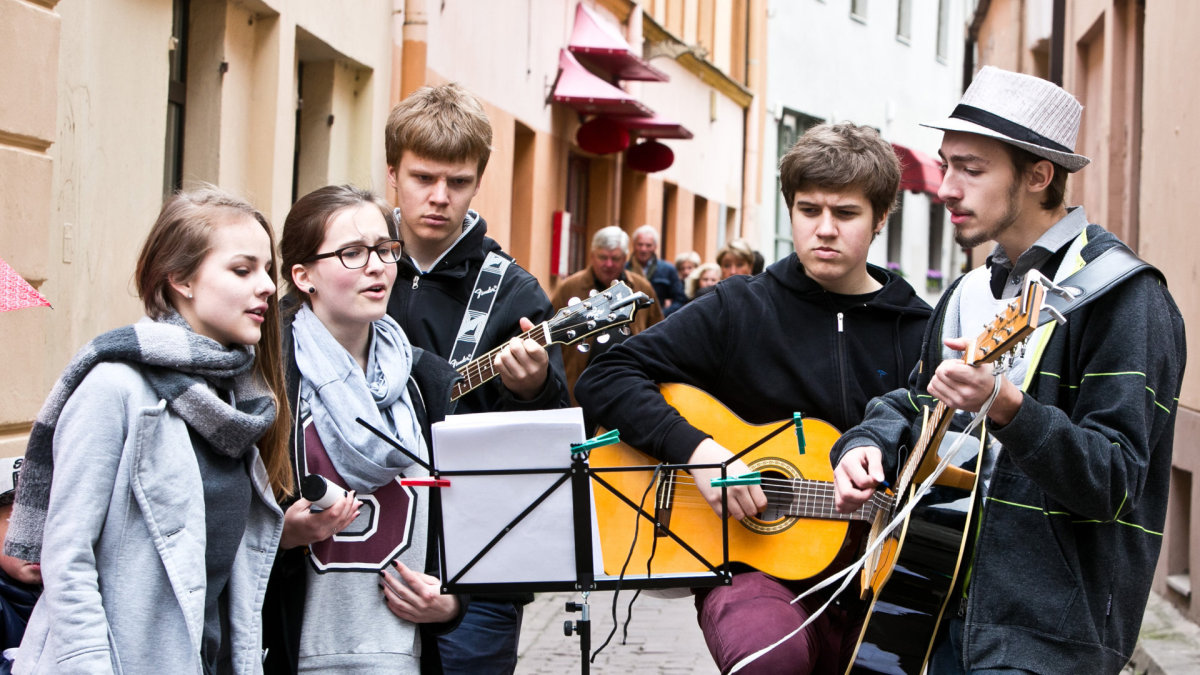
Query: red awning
point(583, 91)
point(653, 127)
point(599, 45)
point(918, 172)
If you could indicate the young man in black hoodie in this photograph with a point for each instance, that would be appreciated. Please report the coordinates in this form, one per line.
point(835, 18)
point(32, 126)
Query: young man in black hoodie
point(820, 332)
point(438, 141)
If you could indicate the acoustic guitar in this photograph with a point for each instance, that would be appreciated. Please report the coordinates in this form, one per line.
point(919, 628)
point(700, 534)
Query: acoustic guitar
point(798, 536)
point(610, 308)
point(911, 575)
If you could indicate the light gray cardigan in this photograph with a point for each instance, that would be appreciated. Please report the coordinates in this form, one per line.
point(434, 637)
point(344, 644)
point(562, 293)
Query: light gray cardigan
point(123, 554)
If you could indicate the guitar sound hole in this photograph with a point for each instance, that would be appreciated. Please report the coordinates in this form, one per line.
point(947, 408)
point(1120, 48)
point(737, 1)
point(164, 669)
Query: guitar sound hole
point(779, 498)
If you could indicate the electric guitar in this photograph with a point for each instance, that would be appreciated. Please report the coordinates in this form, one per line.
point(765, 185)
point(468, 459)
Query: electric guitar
point(614, 306)
point(798, 536)
point(911, 575)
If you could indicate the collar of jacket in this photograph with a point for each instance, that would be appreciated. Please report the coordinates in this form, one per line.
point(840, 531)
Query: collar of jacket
point(896, 295)
point(472, 246)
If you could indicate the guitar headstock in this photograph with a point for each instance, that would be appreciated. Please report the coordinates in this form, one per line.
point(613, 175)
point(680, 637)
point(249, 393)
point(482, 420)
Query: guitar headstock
point(614, 306)
point(1010, 327)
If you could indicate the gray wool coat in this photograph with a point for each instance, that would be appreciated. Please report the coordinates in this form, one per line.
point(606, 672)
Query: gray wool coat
point(123, 556)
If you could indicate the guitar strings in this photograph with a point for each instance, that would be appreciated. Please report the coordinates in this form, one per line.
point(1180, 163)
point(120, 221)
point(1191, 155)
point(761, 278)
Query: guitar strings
point(847, 574)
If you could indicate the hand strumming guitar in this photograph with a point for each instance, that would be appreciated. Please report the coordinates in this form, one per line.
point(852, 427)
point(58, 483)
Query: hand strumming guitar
point(856, 477)
point(744, 500)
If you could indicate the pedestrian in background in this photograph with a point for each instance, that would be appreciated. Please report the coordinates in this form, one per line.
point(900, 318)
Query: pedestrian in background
point(668, 289)
point(736, 257)
point(148, 490)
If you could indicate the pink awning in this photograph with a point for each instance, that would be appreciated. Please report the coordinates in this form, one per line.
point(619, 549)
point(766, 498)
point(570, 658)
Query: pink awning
point(598, 44)
point(583, 91)
point(918, 172)
point(653, 127)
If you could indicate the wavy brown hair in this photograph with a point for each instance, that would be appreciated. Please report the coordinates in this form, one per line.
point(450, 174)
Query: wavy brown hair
point(834, 157)
point(176, 246)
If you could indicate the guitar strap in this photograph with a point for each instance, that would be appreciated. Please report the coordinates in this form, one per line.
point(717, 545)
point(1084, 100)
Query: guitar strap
point(479, 306)
point(1094, 279)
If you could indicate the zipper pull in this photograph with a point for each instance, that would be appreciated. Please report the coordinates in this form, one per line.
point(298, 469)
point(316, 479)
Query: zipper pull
point(840, 315)
point(416, 278)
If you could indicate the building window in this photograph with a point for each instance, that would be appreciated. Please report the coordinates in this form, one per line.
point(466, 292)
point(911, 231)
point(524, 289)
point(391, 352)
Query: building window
point(858, 10)
point(935, 275)
point(943, 30)
point(904, 21)
point(176, 99)
point(792, 126)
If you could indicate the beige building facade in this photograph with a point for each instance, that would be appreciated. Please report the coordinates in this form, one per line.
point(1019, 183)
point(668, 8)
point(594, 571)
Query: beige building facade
point(1129, 63)
point(106, 107)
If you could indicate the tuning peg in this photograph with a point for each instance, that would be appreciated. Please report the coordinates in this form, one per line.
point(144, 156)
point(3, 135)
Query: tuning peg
point(592, 292)
point(603, 338)
point(625, 331)
point(584, 348)
point(573, 301)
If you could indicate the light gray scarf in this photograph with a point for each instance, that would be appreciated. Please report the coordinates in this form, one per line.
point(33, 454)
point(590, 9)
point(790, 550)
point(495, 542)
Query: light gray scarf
point(340, 392)
point(179, 365)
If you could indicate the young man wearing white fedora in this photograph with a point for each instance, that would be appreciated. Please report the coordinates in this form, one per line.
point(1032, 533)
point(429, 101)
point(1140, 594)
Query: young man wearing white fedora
point(1072, 493)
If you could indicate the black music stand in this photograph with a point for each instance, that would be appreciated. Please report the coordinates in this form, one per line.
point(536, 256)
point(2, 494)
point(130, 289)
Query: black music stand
point(575, 480)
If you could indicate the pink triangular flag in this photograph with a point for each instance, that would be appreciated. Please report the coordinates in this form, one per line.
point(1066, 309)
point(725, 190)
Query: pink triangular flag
point(15, 292)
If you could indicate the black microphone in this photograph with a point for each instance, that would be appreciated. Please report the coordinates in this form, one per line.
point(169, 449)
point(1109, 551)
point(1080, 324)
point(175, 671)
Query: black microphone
point(321, 491)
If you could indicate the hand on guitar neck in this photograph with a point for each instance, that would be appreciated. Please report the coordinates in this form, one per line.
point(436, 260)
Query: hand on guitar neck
point(957, 384)
point(967, 387)
point(523, 365)
point(743, 500)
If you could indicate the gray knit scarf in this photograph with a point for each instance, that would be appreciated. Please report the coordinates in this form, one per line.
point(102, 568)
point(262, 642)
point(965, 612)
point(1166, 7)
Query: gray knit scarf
point(179, 365)
point(340, 392)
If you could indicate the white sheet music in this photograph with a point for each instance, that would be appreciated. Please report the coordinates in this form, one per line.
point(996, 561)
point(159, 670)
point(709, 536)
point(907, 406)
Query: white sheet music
point(477, 508)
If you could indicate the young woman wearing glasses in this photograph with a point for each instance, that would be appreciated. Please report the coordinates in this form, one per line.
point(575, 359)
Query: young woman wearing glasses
point(350, 592)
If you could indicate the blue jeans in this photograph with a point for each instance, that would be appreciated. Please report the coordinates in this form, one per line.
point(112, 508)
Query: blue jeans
point(947, 656)
point(486, 640)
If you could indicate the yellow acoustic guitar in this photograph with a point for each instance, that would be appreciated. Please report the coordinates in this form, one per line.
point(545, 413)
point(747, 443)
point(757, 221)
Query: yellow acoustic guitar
point(798, 536)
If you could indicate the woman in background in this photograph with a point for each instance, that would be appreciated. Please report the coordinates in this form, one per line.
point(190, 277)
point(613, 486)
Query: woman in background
point(701, 280)
point(350, 592)
point(736, 257)
point(148, 490)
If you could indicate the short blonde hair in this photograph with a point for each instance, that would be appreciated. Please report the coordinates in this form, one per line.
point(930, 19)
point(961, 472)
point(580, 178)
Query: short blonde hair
point(692, 283)
point(736, 248)
point(446, 124)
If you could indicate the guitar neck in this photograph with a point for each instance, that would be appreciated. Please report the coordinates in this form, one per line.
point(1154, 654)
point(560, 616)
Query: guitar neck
point(815, 499)
point(483, 369)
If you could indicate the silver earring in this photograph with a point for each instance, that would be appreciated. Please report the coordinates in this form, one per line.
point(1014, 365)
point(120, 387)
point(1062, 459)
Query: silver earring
point(189, 296)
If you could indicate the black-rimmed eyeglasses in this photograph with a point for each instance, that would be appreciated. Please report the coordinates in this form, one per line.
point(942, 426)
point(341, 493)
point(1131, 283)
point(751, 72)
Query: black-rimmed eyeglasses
point(356, 256)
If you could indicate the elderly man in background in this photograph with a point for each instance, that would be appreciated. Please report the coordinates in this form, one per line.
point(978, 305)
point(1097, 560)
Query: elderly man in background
point(662, 275)
point(609, 252)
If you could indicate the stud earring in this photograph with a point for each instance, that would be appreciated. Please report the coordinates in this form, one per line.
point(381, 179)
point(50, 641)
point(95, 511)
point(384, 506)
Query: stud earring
point(312, 290)
point(189, 296)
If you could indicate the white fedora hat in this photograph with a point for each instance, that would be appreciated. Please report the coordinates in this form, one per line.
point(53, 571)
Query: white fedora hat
point(1021, 110)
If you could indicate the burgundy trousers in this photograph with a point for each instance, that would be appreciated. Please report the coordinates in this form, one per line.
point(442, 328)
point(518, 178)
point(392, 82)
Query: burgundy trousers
point(756, 611)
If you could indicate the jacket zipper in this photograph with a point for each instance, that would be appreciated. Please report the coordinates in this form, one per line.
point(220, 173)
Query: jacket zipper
point(841, 354)
point(416, 278)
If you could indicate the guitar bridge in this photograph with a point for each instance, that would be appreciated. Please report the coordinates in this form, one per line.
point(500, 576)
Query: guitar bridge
point(664, 501)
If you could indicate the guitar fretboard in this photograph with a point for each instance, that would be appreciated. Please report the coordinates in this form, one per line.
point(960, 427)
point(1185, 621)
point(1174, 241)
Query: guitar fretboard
point(815, 499)
point(483, 369)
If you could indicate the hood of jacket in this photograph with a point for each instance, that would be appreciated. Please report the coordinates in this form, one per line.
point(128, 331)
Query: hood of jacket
point(472, 245)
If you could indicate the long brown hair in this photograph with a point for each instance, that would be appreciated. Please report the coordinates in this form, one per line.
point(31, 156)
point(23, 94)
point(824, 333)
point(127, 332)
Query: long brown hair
point(176, 246)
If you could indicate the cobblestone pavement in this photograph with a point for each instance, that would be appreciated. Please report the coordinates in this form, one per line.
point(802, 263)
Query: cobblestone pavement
point(664, 638)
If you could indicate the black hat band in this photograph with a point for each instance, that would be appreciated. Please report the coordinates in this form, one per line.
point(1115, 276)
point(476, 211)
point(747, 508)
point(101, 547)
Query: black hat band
point(1007, 127)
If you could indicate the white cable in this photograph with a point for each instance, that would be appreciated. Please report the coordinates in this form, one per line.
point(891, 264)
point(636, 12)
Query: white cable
point(848, 573)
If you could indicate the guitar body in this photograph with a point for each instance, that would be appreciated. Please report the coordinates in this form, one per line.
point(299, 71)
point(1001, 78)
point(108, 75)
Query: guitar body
point(910, 582)
point(784, 546)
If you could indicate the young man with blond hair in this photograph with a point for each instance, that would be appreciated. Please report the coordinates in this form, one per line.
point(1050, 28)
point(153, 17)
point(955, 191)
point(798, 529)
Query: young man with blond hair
point(438, 141)
point(820, 333)
point(1072, 493)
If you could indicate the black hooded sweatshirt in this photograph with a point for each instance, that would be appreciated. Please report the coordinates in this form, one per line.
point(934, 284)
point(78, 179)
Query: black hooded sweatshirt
point(765, 346)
